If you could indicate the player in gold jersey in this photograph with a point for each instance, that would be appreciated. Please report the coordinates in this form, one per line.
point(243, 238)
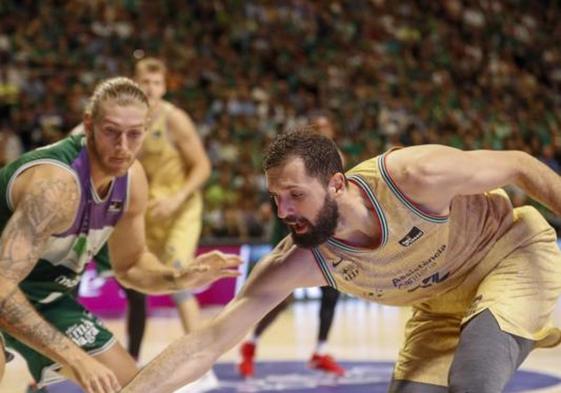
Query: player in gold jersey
point(424, 226)
point(176, 166)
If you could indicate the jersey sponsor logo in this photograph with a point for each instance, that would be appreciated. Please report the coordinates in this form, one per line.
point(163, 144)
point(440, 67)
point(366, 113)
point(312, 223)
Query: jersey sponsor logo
point(348, 269)
point(430, 281)
point(51, 297)
point(115, 206)
point(413, 235)
point(350, 273)
point(335, 264)
point(83, 333)
point(419, 272)
point(67, 282)
point(377, 293)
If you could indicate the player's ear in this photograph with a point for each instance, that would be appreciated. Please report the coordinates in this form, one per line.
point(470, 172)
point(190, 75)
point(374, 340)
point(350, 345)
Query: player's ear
point(337, 184)
point(88, 123)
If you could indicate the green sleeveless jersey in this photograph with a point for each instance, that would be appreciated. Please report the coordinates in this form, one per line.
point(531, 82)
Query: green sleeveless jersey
point(61, 264)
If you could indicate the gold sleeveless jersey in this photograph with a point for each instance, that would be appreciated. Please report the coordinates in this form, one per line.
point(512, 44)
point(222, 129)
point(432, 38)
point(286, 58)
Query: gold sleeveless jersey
point(164, 166)
point(420, 255)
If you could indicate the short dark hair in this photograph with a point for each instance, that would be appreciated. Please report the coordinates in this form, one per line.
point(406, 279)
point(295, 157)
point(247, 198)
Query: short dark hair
point(319, 153)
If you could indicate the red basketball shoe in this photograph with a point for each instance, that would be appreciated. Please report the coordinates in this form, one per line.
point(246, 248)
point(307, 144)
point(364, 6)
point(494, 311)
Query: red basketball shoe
point(326, 363)
point(245, 366)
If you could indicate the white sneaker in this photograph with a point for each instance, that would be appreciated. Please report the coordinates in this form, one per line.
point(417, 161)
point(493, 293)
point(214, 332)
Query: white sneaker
point(207, 382)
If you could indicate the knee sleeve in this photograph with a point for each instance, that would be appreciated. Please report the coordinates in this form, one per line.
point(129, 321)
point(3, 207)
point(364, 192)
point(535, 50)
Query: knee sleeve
point(486, 357)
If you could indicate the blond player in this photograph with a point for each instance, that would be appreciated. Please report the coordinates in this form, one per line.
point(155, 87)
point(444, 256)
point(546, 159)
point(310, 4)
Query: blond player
point(59, 206)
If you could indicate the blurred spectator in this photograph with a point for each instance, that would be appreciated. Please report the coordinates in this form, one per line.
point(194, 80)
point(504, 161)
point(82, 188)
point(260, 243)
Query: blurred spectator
point(10, 146)
point(478, 74)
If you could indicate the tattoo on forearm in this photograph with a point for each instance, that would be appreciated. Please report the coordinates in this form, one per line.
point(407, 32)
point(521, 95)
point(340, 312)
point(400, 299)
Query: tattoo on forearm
point(49, 208)
point(18, 317)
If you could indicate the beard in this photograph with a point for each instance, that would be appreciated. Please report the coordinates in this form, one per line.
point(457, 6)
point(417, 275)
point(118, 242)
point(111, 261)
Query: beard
point(95, 151)
point(318, 233)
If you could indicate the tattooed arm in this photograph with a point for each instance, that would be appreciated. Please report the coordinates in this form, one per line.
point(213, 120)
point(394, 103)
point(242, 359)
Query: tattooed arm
point(45, 200)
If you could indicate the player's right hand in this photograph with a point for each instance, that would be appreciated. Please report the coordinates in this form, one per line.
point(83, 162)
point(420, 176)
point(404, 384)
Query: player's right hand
point(94, 377)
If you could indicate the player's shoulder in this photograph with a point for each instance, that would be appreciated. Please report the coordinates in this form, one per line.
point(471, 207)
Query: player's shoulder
point(45, 175)
point(175, 113)
point(47, 187)
point(171, 109)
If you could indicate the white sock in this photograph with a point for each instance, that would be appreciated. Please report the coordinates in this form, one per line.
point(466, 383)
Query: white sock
point(320, 347)
point(253, 339)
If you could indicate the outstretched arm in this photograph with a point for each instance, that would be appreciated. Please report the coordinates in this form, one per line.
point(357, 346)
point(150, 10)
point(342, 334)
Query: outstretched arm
point(45, 200)
point(432, 175)
point(189, 357)
point(136, 267)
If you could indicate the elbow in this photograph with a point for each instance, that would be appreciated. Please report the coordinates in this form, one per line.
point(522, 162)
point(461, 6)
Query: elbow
point(523, 168)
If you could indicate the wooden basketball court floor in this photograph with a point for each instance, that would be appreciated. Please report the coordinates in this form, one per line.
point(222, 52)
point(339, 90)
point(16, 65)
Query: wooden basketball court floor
point(361, 331)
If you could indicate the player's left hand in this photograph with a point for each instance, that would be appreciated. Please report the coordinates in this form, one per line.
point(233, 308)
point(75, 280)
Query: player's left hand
point(206, 268)
point(164, 208)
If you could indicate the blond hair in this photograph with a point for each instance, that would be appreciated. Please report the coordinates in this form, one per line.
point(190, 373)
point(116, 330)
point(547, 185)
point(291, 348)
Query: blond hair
point(150, 64)
point(120, 89)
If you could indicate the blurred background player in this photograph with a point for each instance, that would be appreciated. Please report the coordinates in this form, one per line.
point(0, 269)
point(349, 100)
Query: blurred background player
point(176, 166)
point(319, 360)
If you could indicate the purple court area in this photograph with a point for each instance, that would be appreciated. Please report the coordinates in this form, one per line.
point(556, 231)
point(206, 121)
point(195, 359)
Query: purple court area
point(295, 377)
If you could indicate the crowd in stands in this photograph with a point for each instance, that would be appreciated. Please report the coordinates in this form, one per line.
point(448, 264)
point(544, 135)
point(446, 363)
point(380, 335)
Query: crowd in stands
point(470, 74)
